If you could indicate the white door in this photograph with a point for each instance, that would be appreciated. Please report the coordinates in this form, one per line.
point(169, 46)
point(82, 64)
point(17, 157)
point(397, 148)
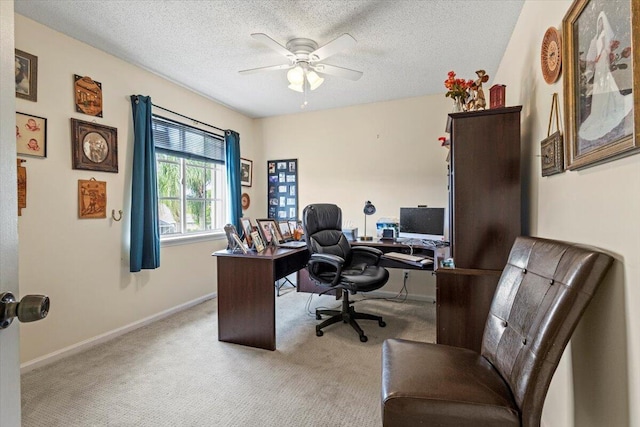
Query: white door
point(9, 338)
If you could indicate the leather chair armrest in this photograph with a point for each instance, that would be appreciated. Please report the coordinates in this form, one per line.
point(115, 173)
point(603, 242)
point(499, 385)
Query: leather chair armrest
point(319, 259)
point(367, 254)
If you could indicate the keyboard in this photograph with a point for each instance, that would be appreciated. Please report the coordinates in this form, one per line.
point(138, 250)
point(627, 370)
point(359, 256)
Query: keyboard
point(405, 257)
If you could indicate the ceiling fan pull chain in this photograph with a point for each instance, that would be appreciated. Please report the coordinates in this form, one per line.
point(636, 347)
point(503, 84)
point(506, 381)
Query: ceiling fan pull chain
point(305, 85)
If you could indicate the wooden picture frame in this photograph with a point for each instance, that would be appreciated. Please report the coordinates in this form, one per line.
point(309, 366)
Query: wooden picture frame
point(94, 146)
point(246, 172)
point(26, 75)
point(601, 71)
point(268, 229)
point(88, 95)
point(92, 199)
point(31, 135)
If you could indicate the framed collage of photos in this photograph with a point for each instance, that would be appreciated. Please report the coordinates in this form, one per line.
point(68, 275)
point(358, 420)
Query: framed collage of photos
point(282, 187)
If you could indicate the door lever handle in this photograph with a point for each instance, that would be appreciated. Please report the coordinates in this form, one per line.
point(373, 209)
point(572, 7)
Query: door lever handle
point(29, 309)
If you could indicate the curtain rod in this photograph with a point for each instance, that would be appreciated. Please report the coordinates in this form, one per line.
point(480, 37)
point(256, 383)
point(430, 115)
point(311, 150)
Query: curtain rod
point(189, 118)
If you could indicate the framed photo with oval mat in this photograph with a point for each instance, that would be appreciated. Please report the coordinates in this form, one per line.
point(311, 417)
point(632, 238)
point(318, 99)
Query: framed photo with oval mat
point(94, 146)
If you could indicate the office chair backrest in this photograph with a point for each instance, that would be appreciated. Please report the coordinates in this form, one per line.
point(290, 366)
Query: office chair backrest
point(322, 224)
point(541, 295)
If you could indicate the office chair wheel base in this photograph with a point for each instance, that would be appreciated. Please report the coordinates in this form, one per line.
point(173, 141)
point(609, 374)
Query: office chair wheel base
point(363, 338)
point(382, 324)
point(319, 333)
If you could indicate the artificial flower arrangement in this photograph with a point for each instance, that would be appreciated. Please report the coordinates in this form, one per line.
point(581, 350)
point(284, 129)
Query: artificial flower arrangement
point(458, 89)
point(467, 95)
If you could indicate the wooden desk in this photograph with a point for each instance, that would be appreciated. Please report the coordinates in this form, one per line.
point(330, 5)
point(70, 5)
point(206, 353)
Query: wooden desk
point(246, 293)
point(393, 246)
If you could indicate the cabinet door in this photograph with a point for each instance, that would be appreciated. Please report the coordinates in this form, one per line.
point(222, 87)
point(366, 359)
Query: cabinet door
point(485, 189)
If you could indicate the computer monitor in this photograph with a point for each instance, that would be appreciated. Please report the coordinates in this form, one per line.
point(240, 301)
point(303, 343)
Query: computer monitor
point(422, 223)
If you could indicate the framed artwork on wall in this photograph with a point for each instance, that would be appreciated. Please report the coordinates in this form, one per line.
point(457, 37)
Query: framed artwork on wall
point(88, 95)
point(26, 76)
point(31, 135)
point(601, 76)
point(94, 146)
point(92, 198)
point(246, 172)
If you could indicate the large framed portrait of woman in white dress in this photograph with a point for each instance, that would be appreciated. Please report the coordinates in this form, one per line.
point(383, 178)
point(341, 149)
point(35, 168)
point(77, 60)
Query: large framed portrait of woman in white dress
point(602, 120)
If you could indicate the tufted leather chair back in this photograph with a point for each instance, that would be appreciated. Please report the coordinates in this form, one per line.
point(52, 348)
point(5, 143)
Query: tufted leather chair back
point(322, 225)
point(544, 289)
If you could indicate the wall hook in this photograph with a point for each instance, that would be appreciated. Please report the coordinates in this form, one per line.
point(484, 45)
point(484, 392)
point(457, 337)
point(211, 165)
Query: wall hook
point(113, 215)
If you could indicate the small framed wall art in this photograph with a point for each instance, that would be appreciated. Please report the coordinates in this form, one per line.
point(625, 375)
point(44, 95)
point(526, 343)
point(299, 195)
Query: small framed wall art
point(246, 172)
point(94, 146)
point(31, 135)
point(92, 199)
point(26, 76)
point(88, 95)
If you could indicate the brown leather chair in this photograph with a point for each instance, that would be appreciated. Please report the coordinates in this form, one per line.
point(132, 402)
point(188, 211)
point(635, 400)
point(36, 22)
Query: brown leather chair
point(541, 295)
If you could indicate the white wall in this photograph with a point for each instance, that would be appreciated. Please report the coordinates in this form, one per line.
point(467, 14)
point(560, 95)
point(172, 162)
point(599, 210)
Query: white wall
point(599, 376)
point(83, 264)
point(386, 152)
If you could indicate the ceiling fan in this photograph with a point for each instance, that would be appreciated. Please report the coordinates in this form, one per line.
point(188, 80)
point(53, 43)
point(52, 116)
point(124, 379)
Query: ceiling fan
point(306, 60)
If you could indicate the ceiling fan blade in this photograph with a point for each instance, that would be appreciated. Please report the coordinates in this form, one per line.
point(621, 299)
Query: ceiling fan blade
point(341, 43)
point(265, 39)
point(334, 70)
point(269, 68)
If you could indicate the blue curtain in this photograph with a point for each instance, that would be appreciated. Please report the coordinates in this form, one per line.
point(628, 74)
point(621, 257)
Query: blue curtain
point(145, 232)
point(232, 160)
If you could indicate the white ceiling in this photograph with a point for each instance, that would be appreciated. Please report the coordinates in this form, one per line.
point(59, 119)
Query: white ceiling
point(405, 48)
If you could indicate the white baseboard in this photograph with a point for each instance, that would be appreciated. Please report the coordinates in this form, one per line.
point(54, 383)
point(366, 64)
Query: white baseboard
point(91, 342)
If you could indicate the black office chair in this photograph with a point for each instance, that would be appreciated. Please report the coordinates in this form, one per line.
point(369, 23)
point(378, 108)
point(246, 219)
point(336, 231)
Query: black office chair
point(334, 264)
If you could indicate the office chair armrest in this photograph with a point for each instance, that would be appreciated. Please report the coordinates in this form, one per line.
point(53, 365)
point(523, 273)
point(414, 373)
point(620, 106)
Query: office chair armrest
point(318, 260)
point(367, 254)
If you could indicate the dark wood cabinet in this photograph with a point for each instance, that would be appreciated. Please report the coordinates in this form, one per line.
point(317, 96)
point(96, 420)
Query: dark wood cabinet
point(484, 218)
point(463, 298)
point(484, 187)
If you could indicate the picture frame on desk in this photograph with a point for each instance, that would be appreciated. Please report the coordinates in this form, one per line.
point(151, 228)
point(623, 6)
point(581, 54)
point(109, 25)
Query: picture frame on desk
point(247, 228)
point(268, 228)
point(234, 242)
point(285, 230)
point(258, 244)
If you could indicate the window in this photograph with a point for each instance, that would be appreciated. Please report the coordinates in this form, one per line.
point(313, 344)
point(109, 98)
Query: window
point(191, 179)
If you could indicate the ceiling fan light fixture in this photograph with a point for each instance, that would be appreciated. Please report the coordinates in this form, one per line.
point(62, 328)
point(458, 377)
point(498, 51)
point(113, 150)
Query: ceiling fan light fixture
point(296, 87)
point(314, 80)
point(296, 75)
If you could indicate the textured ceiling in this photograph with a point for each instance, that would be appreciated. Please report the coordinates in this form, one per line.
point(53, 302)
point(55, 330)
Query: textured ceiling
point(404, 48)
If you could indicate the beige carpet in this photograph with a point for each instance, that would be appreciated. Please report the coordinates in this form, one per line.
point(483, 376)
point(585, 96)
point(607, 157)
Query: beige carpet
point(175, 372)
